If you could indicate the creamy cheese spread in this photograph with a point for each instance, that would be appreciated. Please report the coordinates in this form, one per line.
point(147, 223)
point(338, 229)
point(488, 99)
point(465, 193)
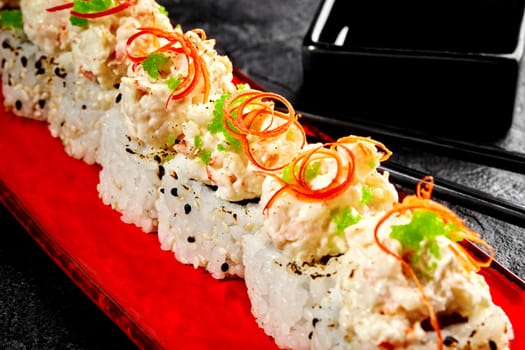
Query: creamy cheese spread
point(99, 47)
point(151, 116)
point(311, 229)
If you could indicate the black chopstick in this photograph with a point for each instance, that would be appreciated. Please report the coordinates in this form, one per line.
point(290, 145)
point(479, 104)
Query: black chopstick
point(467, 197)
point(483, 154)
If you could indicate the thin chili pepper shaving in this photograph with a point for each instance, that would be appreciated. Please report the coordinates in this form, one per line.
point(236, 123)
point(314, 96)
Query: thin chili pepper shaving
point(176, 43)
point(121, 6)
point(422, 201)
point(251, 113)
point(300, 186)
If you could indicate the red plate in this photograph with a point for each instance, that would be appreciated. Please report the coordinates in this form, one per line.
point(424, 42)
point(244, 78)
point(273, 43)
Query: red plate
point(156, 301)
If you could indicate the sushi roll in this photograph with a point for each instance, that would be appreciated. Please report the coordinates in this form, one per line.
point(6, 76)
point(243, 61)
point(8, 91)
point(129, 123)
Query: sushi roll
point(212, 187)
point(171, 72)
point(380, 275)
point(88, 43)
point(26, 71)
point(292, 262)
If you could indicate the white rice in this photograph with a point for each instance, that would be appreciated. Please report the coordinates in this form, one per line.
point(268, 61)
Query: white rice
point(201, 229)
point(76, 108)
point(287, 298)
point(26, 75)
point(131, 173)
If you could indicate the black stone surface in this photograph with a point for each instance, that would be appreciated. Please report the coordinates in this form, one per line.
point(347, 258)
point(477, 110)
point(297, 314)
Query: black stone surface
point(41, 309)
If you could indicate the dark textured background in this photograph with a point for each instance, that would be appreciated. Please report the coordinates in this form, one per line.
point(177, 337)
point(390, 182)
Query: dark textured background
point(41, 309)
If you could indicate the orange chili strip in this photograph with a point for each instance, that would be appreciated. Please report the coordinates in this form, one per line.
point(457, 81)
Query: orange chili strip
point(422, 201)
point(300, 186)
point(119, 7)
point(251, 113)
point(177, 43)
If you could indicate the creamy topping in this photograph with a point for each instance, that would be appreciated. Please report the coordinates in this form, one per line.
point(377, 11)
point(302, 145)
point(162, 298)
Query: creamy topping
point(99, 47)
point(50, 31)
point(151, 115)
point(381, 303)
point(213, 161)
point(310, 229)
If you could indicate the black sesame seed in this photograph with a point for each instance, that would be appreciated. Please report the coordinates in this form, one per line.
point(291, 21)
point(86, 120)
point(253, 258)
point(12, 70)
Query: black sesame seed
point(129, 150)
point(84, 107)
point(18, 104)
point(225, 267)
point(118, 98)
point(157, 158)
point(191, 239)
point(310, 335)
point(60, 73)
point(449, 340)
point(493, 345)
point(161, 172)
point(187, 208)
point(42, 103)
point(314, 321)
point(174, 192)
point(23, 59)
point(5, 45)
point(213, 187)
point(40, 71)
point(162, 190)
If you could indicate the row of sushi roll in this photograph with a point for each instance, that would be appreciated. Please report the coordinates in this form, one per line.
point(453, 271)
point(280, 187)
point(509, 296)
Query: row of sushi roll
point(224, 174)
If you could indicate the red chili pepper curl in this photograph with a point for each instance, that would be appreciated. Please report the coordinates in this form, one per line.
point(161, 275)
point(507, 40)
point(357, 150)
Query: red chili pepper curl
point(250, 116)
point(175, 44)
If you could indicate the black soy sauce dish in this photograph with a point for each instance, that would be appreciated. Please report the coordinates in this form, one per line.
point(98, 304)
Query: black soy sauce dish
point(447, 68)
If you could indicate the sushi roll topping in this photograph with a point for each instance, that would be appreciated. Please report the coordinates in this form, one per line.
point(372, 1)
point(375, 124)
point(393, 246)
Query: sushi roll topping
point(82, 10)
point(418, 240)
point(430, 220)
point(305, 178)
point(251, 117)
point(170, 46)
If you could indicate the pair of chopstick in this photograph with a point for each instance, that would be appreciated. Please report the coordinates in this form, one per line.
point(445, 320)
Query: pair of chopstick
point(462, 195)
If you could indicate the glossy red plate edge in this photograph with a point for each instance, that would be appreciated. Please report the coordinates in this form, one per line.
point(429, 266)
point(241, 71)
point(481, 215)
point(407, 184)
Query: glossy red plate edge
point(156, 301)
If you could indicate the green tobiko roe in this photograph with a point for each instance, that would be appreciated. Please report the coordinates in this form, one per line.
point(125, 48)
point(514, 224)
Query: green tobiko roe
point(11, 19)
point(312, 170)
point(343, 218)
point(418, 238)
point(93, 6)
point(154, 64)
point(216, 126)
